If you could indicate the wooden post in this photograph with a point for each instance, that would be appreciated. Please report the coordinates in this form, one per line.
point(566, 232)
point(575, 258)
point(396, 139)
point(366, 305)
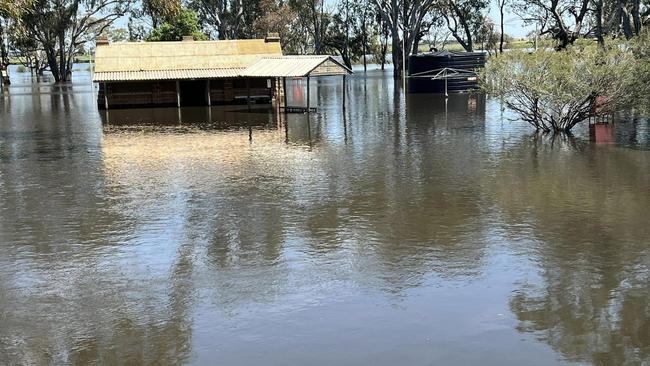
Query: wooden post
point(178, 94)
point(446, 92)
point(308, 92)
point(344, 87)
point(105, 96)
point(286, 129)
point(284, 90)
point(207, 92)
point(248, 93)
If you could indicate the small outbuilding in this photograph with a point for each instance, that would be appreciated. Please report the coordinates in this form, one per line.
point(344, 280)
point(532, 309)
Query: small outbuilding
point(200, 73)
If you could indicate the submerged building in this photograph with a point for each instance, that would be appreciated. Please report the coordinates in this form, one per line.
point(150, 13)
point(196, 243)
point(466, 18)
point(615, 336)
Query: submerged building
point(199, 73)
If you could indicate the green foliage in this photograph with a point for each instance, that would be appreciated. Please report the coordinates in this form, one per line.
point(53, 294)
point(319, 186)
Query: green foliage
point(640, 91)
point(116, 34)
point(553, 91)
point(183, 23)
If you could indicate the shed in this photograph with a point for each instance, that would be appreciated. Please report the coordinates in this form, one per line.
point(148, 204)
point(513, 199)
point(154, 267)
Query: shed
point(203, 72)
point(181, 73)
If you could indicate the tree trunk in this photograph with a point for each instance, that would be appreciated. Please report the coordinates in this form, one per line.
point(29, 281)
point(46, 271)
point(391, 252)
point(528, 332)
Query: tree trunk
point(502, 3)
point(636, 17)
point(50, 53)
point(599, 23)
point(63, 70)
point(365, 41)
point(397, 55)
point(4, 57)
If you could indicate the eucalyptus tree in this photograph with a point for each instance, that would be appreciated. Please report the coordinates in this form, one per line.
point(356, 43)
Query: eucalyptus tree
point(563, 20)
point(174, 28)
point(230, 19)
point(464, 19)
point(148, 15)
point(277, 17)
point(501, 4)
point(354, 31)
point(613, 18)
point(10, 11)
point(405, 20)
point(61, 26)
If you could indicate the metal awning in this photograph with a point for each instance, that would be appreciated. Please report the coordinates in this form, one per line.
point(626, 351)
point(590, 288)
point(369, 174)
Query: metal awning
point(296, 66)
point(167, 74)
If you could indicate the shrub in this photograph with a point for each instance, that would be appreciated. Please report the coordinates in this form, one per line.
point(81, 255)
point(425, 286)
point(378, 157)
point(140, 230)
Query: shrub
point(555, 90)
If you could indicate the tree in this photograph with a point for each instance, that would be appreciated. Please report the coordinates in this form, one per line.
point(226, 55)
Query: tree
point(352, 32)
point(150, 15)
point(63, 25)
point(384, 35)
point(10, 10)
point(554, 91)
point(31, 51)
point(116, 34)
point(487, 36)
point(501, 4)
point(408, 19)
point(464, 19)
point(563, 20)
point(184, 23)
point(230, 19)
point(276, 18)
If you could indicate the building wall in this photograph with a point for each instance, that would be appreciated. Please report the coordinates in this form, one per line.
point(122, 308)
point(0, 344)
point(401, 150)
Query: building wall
point(163, 93)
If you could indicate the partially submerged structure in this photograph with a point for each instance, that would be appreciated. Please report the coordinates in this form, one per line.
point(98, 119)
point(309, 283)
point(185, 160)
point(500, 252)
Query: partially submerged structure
point(445, 72)
point(195, 73)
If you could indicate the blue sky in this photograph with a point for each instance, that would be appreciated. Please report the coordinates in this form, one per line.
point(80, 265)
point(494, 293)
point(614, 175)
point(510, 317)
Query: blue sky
point(512, 23)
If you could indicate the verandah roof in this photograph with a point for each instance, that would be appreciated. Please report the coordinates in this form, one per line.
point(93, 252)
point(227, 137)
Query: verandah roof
point(167, 74)
point(296, 66)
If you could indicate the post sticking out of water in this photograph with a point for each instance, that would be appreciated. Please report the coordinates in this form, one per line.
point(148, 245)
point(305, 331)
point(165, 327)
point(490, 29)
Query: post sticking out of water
point(178, 94)
point(344, 78)
point(446, 91)
point(105, 96)
point(248, 93)
point(207, 92)
point(308, 92)
point(284, 93)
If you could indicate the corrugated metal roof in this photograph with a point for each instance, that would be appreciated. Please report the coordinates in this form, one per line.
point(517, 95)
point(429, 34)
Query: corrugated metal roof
point(189, 55)
point(296, 66)
point(167, 74)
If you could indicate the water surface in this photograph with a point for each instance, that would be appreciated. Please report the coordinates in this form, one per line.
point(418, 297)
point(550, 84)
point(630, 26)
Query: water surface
point(406, 231)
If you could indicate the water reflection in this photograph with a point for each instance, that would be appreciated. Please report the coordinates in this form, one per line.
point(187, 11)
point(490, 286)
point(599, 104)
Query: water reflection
point(584, 207)
point(414, 225)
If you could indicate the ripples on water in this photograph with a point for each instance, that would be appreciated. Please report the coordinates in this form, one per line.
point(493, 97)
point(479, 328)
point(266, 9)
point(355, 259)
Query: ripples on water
point(404, 232)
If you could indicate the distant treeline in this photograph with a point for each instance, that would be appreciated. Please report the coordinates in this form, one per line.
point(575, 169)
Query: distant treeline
point(49, 34)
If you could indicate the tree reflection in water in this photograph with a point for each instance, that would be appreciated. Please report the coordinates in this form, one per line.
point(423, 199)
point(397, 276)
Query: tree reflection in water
point(591, 302)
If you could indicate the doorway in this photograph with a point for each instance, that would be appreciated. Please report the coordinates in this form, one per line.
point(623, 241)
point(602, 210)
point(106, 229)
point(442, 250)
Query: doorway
point(193, 93)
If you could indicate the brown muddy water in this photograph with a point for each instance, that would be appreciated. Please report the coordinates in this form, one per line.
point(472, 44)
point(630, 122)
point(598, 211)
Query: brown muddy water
point(403, 233)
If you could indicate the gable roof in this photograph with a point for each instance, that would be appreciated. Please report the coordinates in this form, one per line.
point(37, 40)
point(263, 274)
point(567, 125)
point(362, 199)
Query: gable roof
point(133, 61)
point(188, 55)
point(296, 66)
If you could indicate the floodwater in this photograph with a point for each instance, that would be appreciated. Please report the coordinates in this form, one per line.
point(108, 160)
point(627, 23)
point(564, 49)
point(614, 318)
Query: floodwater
point(406, 231)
